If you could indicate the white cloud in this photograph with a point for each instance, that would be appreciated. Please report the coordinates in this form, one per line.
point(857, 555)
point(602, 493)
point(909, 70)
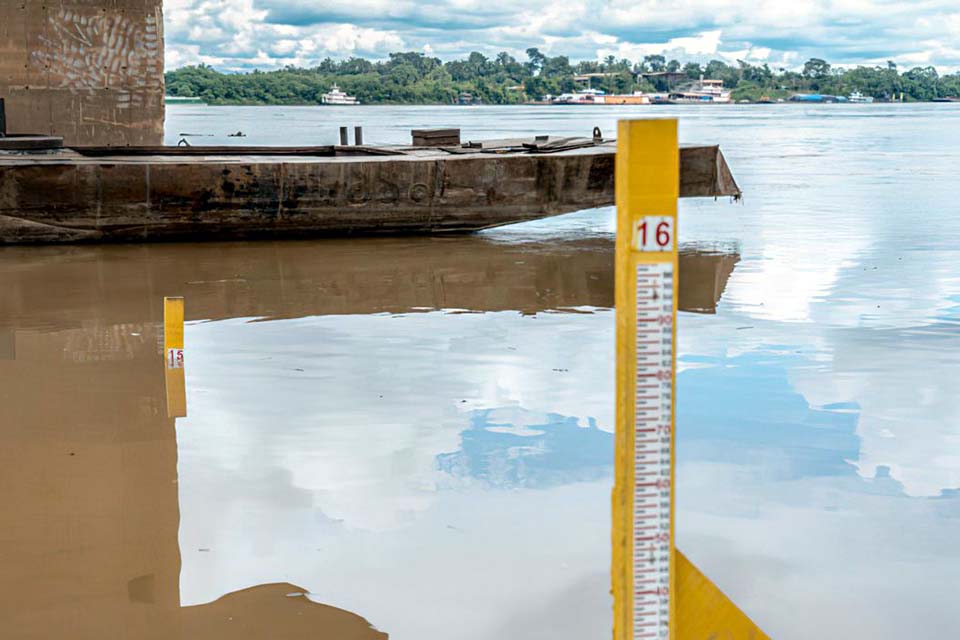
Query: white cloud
point(234, 33)
point(706, 43)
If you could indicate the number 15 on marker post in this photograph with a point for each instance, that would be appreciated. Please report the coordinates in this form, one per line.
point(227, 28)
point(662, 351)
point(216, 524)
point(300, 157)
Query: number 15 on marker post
point(653, 233)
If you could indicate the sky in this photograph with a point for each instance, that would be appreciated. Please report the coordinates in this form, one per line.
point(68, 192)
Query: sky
point(237, 35)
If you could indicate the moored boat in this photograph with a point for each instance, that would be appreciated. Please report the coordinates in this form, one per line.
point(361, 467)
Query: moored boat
point(637, 97)
point(338, 97)
point(701, 92)
point(584, 96)
point(816, 98)
point(137, 194)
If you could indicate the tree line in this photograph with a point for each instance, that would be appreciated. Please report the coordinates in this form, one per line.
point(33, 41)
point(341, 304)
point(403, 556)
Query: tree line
point(415, 78)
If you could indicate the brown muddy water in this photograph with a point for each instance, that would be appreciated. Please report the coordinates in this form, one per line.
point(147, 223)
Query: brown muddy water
point(412, 438)
point(313, 448)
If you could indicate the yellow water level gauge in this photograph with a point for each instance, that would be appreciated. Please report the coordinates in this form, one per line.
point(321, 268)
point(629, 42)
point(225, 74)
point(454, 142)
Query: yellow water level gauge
point(658, 593)
point(648, 183)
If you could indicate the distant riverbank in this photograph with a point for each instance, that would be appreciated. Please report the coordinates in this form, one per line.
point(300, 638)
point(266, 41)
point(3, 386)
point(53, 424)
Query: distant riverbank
point(412, 78)
point(178, 101)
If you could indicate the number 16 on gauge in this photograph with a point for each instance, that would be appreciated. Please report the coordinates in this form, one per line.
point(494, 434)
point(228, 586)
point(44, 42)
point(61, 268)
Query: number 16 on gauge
point(653, 233)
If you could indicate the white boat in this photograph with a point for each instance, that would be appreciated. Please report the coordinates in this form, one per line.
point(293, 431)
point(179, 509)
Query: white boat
point(859, 98)
point(702, 91)
point(335, 96)
point(586, 96)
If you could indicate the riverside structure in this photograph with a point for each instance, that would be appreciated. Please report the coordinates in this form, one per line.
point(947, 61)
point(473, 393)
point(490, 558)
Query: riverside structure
point(104, 194)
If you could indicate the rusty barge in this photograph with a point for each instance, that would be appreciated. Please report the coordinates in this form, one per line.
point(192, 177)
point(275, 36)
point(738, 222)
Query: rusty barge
point(137, 194)
point(86, 80)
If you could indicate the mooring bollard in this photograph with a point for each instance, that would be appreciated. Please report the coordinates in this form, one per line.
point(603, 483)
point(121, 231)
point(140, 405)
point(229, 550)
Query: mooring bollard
point(344, 140)
point(358, 136)
point(657, 592)
point(174, 359)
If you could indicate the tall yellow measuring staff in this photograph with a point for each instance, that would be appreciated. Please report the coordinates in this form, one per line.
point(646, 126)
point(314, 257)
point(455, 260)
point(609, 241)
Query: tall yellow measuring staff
point(647, 188)
point(658, 593)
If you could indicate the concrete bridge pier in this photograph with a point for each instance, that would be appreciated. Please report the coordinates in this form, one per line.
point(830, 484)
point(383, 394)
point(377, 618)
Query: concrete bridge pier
point(90, 71)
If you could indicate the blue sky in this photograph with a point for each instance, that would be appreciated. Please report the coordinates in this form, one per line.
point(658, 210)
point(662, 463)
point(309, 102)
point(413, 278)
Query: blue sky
point(247, 34)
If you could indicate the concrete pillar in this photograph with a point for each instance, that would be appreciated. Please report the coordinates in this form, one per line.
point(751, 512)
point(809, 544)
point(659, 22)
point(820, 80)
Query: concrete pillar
point(90, 71)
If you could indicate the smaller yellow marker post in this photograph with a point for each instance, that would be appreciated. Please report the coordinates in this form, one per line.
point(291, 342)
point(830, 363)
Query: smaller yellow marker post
point(173, 357)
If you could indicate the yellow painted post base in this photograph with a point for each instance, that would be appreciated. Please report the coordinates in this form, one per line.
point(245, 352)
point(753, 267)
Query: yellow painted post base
point(176, 393)
point(704, 612)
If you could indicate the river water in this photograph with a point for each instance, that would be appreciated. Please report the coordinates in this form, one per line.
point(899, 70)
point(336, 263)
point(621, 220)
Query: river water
point(413, 437)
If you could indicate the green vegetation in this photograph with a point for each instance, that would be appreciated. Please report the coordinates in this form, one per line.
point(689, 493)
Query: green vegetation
point(413, 78)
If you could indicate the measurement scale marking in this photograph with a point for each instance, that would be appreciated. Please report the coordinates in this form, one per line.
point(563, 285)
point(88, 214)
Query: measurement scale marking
point(652, 490)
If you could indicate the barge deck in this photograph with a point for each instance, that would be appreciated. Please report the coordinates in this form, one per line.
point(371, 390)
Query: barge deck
point(138, 194)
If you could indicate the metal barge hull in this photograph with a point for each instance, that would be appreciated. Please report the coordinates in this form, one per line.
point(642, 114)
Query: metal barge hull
point(158, 194)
